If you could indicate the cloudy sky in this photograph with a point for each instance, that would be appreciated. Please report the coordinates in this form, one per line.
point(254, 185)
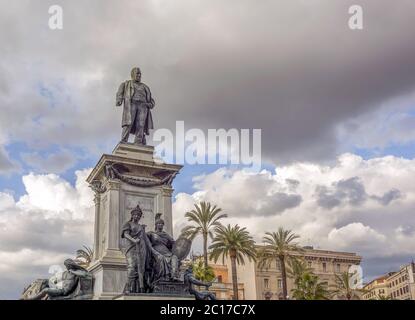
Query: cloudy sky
point(336, 108)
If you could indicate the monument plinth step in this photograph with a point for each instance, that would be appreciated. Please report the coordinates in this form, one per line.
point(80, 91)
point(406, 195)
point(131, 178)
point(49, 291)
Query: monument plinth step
point(153, 296)
point(133, 151)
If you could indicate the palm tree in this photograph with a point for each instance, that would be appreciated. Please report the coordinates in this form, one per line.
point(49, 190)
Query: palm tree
point(310, 288)
point(205, 217)
point(84, 256)
point(279, 247)
point(344, 288)
point(236, 243)
point(297, 267)
point(201, 272)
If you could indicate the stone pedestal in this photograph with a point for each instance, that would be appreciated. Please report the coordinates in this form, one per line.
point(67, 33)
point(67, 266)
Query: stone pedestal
point(171, 288)
point(121, 180)
point(152, 296)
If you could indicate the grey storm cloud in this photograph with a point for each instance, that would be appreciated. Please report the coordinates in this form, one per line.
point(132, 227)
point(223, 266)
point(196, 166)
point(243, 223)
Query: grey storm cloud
point(33, 231)
point(388, 197)
point(213, 64)
point(273, 204)
point(53, 163)
point(12, 286)
point(378, 266)
point(292, 184)
point(408, 230)
point(350, 191)
point(262, 195)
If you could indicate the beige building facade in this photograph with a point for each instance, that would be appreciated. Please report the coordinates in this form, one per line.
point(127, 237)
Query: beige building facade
point(376, 288)
point(398, 285)
point(266, 283)
point(222, 286)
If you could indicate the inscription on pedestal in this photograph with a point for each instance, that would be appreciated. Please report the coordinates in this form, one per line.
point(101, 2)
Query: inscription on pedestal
point(167, 287)
point(146, 204)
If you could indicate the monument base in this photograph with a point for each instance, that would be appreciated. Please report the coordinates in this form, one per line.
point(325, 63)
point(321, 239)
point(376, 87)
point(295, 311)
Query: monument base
point(128, 177)
point(153, 296)
point(177, 288)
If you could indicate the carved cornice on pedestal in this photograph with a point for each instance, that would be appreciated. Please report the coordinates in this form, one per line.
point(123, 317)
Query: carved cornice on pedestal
point(112, 184)
point(133, 165)
point(167, 192)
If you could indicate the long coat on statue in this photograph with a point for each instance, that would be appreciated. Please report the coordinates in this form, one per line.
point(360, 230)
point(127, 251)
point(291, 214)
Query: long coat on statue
point(125, 94)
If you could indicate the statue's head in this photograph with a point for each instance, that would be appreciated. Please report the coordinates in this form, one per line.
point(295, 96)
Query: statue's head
point(189, 268)
point(70, 264)
point(136, 74)
point(159, 223)
point(136, 214)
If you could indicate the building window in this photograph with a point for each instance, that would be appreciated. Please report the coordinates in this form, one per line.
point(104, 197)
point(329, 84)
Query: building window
point(220, 279)
point(401, 291)
point(324, 267)
point(278, 265)
point(266, 283)
point(279, 283)
point(309, 264)
point(338, 267)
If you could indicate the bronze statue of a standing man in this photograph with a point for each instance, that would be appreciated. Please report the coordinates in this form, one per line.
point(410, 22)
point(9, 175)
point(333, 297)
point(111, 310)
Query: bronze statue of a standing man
point(136, 117)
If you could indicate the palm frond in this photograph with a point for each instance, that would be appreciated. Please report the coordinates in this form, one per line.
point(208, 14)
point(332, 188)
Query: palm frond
point(278, 245)
point(232, 241)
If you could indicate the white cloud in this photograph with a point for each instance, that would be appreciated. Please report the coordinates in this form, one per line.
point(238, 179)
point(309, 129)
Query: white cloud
point(356, 235)
point(54, 218)
point(49, 223)
point(372, 199)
